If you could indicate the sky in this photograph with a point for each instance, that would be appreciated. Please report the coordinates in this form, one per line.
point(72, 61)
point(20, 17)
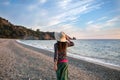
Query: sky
point(83, 19)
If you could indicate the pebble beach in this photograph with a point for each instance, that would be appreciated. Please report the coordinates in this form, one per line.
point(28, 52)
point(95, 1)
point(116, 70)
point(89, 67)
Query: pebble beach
point(22, 62)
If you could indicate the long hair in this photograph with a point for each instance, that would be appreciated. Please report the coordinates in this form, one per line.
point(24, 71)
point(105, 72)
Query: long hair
point(62, 46)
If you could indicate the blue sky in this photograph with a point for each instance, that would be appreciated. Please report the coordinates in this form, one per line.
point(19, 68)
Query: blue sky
point(84, 19)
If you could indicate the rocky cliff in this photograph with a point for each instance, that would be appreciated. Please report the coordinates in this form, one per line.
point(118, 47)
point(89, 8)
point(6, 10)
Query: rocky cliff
point(9, 30)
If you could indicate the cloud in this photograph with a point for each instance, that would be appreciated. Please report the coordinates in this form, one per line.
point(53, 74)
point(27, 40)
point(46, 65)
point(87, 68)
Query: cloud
point(65, 15)
point(96, 22)
point(64, 3)
point(107, 33)
point(32, 7)
point(71, 4)
point(114, 21)
point(53, 22)
point(69, 29)
point(96, 27)
point(45, 19)
point(73, 11)
point(63, 19)
point(36, 5)
point(105, 30)
point(89, 22)
point(102, 18)
point(42, 1)
point(5, 3)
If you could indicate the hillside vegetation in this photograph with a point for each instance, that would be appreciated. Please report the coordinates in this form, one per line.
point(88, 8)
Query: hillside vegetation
point(9, 30)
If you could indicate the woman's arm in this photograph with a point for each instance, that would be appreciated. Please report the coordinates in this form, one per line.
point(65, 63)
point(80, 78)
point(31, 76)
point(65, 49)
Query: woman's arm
point(55, 57)
point(55, 53)
point(70, 43)
point(55, 66)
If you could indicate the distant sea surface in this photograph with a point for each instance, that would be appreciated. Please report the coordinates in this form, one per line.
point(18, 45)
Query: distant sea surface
point(104, 51)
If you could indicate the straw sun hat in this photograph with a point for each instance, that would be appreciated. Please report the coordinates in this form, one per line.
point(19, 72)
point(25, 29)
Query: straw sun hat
point(60, 36)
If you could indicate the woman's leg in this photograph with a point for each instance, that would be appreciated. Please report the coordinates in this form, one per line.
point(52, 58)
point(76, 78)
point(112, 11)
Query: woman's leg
point(62, 72)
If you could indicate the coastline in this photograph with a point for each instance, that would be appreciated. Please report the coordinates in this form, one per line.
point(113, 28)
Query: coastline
point(28, 62)
point(87, 59)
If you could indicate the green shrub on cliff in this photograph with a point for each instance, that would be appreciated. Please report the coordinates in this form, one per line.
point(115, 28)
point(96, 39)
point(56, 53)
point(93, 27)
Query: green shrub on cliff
point(8, 30)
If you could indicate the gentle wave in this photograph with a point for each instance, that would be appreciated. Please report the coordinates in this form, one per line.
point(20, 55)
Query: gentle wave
point(88, 59)
point(95, 61)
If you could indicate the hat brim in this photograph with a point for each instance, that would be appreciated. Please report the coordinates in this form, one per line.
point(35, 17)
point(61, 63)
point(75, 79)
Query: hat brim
point(58, 38)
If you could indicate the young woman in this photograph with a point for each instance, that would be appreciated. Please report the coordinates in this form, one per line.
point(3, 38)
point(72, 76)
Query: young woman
point(60, 55)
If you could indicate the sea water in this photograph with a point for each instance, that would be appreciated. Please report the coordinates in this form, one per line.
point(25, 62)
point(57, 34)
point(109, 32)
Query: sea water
point(103, 51)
